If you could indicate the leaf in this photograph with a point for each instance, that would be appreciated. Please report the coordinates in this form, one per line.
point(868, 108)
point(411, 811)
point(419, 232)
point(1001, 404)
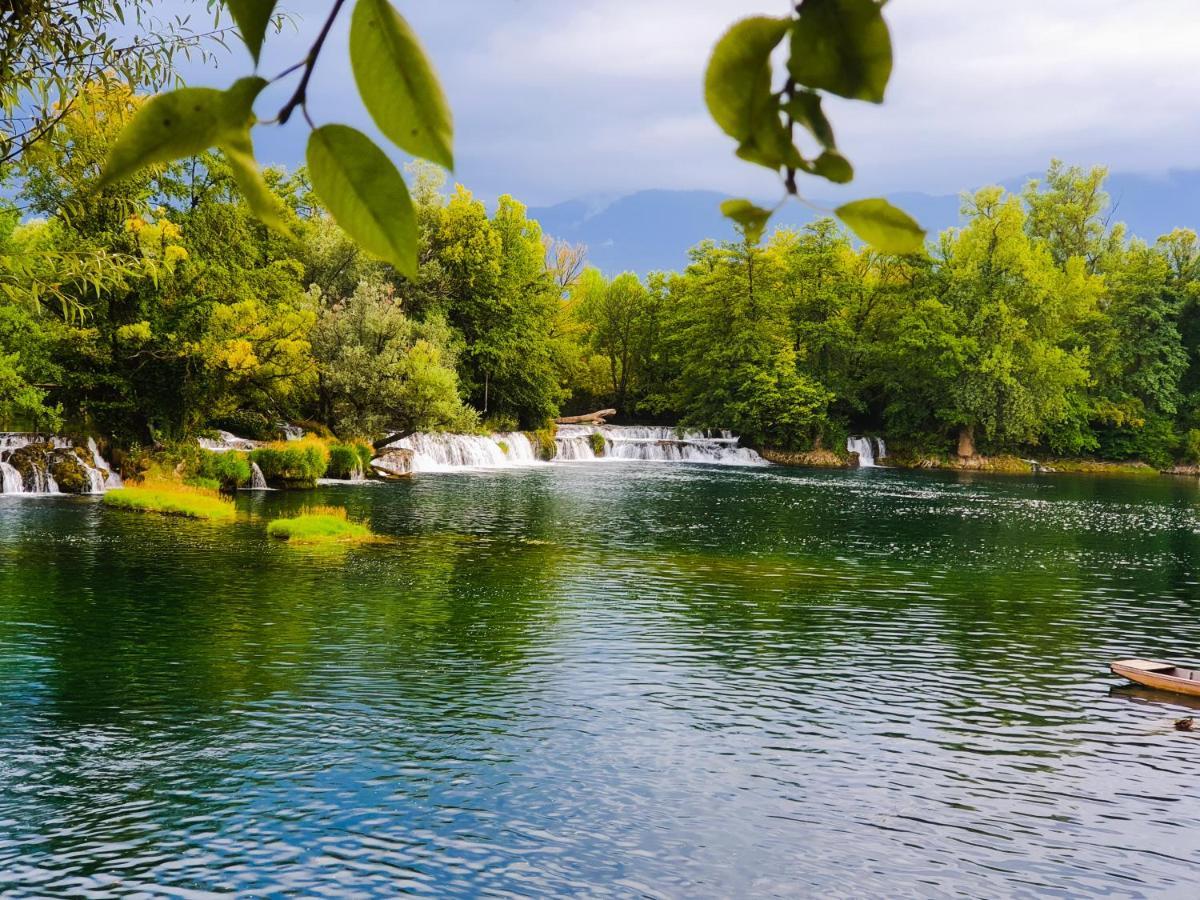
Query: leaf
point(737, 84)
point(753, 219)
point(252, 17)
point(883, 226)
point(398, 84)
point(805, 109)
point(268, 208)
point(842, 46)
point(365, 193)
point(834, 167)
point(180, 123)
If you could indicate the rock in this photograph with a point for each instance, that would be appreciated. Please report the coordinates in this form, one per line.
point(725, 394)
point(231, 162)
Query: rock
point(393, 463)
point(69, 472)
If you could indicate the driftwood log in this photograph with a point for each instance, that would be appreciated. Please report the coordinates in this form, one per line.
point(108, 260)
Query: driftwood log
point(394, 436)
point(595, 418)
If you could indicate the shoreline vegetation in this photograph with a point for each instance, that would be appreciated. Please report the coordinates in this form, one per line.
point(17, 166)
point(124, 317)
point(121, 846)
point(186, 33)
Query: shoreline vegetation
point(172, 498)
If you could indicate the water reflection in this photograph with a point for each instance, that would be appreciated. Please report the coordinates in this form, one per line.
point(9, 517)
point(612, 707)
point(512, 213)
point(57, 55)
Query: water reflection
point(605, 679)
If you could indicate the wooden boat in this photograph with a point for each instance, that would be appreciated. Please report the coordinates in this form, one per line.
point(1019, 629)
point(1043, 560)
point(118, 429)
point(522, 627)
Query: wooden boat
point(1162, 675)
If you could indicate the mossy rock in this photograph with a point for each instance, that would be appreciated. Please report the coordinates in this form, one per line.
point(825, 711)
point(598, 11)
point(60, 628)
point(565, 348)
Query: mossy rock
point(28, 460)
point(69, 472)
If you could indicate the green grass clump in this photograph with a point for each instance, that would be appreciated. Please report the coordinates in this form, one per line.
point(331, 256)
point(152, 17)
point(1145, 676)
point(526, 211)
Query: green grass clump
point(293, 463)
point(596, 439)
point(172, 499)
point(320, 525)
point(345, 457)
point(229, 468)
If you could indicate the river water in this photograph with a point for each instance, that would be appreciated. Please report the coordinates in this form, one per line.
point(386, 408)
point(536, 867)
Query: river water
point(600, 679)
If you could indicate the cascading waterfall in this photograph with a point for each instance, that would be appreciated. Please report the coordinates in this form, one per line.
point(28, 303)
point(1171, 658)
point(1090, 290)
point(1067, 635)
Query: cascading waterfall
point(653, 443)
point(441, 452)
point(869, 450)
point(41, 455)
point(257, 481)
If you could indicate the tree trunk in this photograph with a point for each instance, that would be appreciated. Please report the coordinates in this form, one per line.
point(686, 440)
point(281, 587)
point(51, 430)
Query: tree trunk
point(394, 436)
point(966, 441)
point(595, 418)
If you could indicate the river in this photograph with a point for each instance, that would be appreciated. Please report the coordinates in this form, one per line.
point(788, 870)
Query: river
point(637, 679)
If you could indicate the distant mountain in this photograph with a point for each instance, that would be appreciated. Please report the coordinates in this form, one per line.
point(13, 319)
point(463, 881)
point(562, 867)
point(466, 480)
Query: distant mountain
point(652, 230)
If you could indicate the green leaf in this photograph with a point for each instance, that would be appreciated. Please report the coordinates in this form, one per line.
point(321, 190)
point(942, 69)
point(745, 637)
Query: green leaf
point(364, 191)
point(834, 167)
point(252, 17)
point(883, 226)
point(842, 46)
point(180, 123)
point(737, 84)
point(269, 209)
point(398, 84)
point(753, 219)
point(805, 109)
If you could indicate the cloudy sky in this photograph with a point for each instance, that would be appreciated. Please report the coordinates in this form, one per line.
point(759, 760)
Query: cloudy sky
point(554, 100)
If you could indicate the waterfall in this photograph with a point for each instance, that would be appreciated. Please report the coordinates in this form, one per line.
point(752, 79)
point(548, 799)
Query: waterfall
point(227, 440)
point(257, 481)
point(10, 480)
point(440, 452)
point(357, 474)
point(109, 478)
point(291, 432)
point(44, 453)
point(654, 443)
point(869, 450)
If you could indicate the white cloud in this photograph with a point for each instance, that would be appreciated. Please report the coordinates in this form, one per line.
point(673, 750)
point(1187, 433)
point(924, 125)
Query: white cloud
point(554, 100)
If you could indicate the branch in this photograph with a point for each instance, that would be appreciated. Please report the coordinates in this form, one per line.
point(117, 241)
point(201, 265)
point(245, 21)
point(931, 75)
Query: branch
point(310, 61)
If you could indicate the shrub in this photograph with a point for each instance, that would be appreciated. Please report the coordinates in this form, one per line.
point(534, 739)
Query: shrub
point(499, 422)
point(543, 442)
point(319, 525)
point(596, 439)
point(171, 499)
point(292, 463)
point(228, 469)
point(345, 458)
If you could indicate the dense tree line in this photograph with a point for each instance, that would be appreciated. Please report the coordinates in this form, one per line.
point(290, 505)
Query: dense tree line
point(159, 307)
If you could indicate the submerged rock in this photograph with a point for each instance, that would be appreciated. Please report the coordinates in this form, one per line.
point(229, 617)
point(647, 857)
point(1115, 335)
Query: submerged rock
point(395, 462)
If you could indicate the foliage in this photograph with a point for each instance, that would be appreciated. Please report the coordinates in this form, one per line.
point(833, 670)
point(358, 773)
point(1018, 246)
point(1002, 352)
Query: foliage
point(345, 459)
point(319, 525)
point(597, 442)
point(292, 463)
point(229, 469)
point(841, 47)
point(171, 499)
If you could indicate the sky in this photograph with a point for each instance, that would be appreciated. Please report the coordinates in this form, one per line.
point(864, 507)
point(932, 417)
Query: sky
point(556, 100)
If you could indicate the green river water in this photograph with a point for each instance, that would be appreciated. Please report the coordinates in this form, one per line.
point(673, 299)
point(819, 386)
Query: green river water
point(607, 679)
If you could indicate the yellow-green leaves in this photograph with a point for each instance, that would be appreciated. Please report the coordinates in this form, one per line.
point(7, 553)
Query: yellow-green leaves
point(181, 123)
point(268, 208)
point(753, 219)
point(737, 85)
point(365, 193)
point(397, 84)
point(842, 46)
point(882, 225)
point(252, 17)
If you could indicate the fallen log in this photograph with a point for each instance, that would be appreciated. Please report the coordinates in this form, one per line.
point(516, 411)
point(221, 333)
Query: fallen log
point(595, 418)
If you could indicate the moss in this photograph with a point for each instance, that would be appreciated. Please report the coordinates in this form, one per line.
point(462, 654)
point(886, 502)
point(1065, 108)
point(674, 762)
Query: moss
point(599, 445)
point(503, 445)
point(69, 472)
point(820, 459)
point(320, 525)
point(172, 499)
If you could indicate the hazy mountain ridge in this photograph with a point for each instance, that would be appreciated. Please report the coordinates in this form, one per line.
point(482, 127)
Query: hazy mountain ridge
point(653, 229)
